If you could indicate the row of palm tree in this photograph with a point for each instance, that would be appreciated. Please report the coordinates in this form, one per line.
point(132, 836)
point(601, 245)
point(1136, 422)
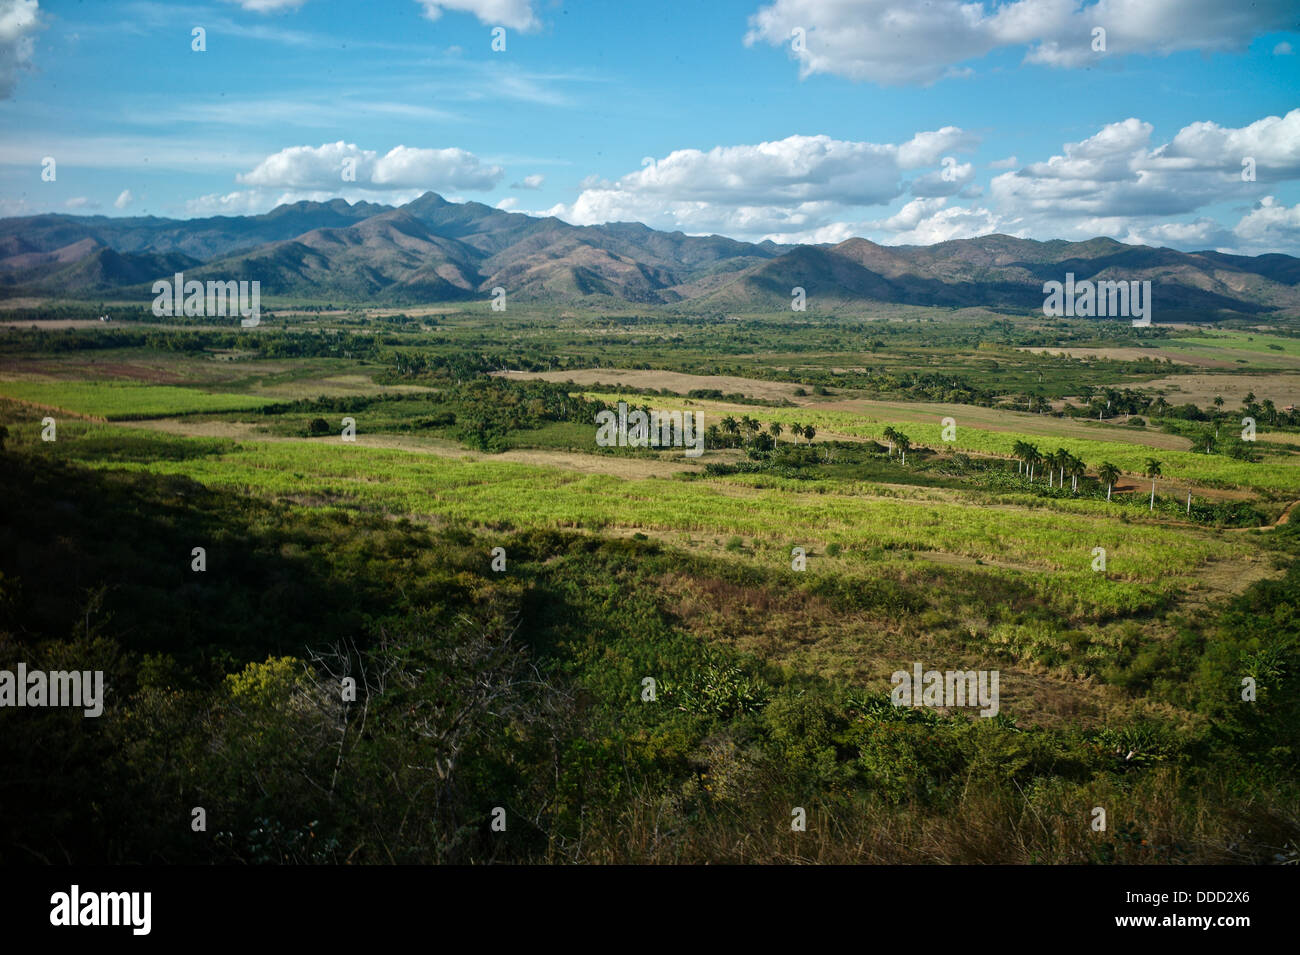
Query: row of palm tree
point(1061, 462)
point(806, 431)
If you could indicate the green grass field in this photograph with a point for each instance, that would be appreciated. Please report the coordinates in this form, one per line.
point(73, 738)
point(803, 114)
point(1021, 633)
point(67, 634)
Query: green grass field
point(116, 401)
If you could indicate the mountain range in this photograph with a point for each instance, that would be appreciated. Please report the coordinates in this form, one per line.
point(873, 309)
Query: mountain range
point(432, 250)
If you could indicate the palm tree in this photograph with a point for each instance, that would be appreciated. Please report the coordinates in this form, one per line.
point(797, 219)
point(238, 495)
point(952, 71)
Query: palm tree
point(1110, 474)
point(1033, 458)
point(904, 442)
point(809, 432)
point(1020, 451)
point(1053, 461)
point(730, 425)
point(1153, 472)
point(1077, 470)
point(796, 429)
point(1062, 460)
point(891, 436)
point(774, 429)
point(1269, 409)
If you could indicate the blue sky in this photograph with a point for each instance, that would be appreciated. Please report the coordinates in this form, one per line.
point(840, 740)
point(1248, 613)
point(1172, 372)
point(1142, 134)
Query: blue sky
point(898, 121)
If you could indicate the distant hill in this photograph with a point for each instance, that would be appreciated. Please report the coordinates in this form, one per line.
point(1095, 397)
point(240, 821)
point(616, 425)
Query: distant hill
point(432, 250)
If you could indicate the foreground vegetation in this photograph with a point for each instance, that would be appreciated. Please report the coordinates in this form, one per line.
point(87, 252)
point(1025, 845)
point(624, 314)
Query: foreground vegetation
point(511, 684)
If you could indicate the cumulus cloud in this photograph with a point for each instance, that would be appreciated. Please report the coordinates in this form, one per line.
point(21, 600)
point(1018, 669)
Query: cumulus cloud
point(793, 186)
point(948, 181)
point(926, 221)
point(124, 199)
point(516, 14)
point(529, 182)
point(893, 42)
point(1118, 182)
point(19, 21)
point(1116, 177)
point(1268, 227)
point(81, 202)
point(403, 167)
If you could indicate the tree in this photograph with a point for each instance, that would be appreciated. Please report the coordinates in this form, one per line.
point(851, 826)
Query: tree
point(1053, 460)
point(1018, 452)
point(1077, 469)
point(1061, 459)
point(1153, 472)
point(4, 436)
point(774, 429)
point(809, 432)
point(904, 444)
point(891, 436)
point(796, 429)
point(1109, 474)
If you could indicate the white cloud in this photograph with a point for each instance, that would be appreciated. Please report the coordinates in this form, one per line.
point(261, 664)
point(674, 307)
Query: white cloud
point(81, 202)
point(508, 204)
point(1009, 163)
point(516, 14)
point(1117, 183)
point(1283, 49)
point(1117, 180)
point(1273, 142)
point(124, 199)
point(268, 6)
point(895, 42)
point(949, 181)
point(529, 182)
point(257, 201)
point(797, 185)
point(19, 21)
point(1269, 227)
point(926, 221)
point(403, 167)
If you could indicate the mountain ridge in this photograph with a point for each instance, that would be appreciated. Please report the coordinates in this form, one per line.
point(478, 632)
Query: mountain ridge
point(431, 249)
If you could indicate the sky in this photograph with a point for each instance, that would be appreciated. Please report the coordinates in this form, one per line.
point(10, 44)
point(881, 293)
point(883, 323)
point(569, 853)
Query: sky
point(1161, 122)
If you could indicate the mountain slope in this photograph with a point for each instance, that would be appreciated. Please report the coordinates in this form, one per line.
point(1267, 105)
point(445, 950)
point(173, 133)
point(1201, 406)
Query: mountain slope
point(434, 250)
